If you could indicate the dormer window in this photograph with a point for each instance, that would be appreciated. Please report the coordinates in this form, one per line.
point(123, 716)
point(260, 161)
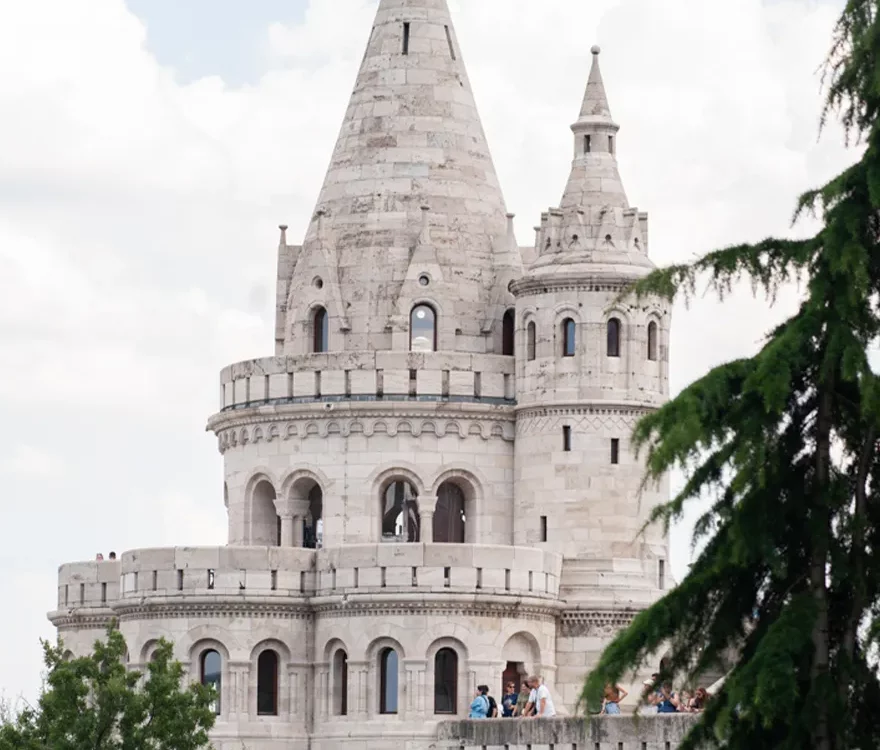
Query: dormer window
point(423, 329)
point(320, 331)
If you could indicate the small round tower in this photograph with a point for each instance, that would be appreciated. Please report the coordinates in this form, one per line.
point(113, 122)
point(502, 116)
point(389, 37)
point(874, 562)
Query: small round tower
point(589, 365)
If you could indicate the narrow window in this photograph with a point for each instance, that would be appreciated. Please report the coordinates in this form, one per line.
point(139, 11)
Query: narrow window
point(357, 575)
point(507, 579)
point(210, 579)
point(613, 336)
point(302, 582)
point(278, 532)
point(588, 144)
point(340, 683)
point(445, 681)
point(531, 341)
point(543, 530)
point(383, 581)
point(406, 37)
point(136, 576)
point(82, 593)
point(415, 577)
point(274, 580)
point(155, 580)
point(479, 578)
point(652, 341)
point(413, 383)
point(447, 577)
point(449, 41)
point(333, 579)
point(615, 450)
point(611, 145)
point(531, 580)
point(508, 326)
point(423, 329)
point(569, 337)
point(388, 679)
point(320, 331)
point(661, 574)
point(211, 674)
point(180, 580)
point(66, 595)
point(566, 439)
point(267, 684)
point(103, 593)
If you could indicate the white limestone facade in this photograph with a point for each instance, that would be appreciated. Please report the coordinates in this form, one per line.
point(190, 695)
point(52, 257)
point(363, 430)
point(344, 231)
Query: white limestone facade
point(430, 484)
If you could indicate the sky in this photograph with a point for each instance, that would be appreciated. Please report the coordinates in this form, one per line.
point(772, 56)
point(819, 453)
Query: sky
point(152, 147)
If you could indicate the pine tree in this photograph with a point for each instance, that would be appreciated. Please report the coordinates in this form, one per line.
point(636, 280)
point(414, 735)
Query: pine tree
point(786, 445)
point(96, 702)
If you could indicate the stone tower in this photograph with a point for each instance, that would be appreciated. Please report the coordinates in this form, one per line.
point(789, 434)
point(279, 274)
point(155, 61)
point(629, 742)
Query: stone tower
point(429, 485)
point(588, 367)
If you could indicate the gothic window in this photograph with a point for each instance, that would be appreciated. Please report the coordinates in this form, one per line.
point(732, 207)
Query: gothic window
point(531, 343)
point(388, 679)
point(340, 683)
point(400, 512)
point(613, 335)
point(267, 684)
point(508, 330)
point(652, 341)
point(423, 329)
point(211, 667)
point(445, 681)
point(449, 515)
point(569, 337)
point(320, 331)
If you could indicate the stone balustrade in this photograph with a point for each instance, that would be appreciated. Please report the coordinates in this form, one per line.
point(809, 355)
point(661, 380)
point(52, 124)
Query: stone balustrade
point(368, 376)
point(285, 572)
point(599, 733)
point(438, 569)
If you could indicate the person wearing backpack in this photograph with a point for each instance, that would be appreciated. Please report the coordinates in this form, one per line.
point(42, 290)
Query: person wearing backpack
point(493, 706)
point(480, 705)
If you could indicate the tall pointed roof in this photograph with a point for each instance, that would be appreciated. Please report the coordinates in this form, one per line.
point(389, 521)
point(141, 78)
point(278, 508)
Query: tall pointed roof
point(594, 179)
point(411, 138)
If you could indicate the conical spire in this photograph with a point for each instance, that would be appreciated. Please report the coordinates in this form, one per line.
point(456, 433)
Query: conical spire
point(411, 137)
point(595, 100)
point(594, 179)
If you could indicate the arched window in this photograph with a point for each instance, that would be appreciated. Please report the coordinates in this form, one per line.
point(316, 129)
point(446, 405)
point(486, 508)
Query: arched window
point(340, 683)
point(613, 344)
point(445, 681)
point(531, 341)
point(449, 516)
point(508, 330)
point(265, 523)
point(320, 331)
point(652, 341)
point(267, 684)
point(211, 667)
point(423, 329)
point(569, 337)
point(313, 524)
point(388, 679)
point(400, 513)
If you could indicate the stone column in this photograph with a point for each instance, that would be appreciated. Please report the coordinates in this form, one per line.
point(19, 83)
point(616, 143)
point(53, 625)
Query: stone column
point(427, 504)
point(291, 511)
point(237, 693)
point(414, 670)
point(358, 692)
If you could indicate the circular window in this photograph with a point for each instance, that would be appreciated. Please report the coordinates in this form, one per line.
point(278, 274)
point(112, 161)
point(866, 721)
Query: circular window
point(318, 282)
point(607, 238)
point(424, 280)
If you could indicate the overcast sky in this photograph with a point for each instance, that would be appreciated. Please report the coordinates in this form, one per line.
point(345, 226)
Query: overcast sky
point(150, 148)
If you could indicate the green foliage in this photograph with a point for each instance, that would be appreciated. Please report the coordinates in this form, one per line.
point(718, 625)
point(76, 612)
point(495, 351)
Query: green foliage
point(96, 703)
point(785, 444)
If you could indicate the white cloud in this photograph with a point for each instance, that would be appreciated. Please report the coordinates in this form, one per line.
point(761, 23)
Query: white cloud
point(138, 217)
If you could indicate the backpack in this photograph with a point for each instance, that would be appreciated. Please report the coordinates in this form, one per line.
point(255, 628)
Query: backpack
point(493, 706)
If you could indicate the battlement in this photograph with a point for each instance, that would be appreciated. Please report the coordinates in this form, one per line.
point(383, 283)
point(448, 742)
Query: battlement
point(368, 376)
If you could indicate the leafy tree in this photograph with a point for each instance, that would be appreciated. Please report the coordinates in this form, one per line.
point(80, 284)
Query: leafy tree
point(785, 444)
point(96, 703)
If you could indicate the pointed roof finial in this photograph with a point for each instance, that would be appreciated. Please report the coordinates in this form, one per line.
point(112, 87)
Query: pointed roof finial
point(283, 241)
point(595, 104)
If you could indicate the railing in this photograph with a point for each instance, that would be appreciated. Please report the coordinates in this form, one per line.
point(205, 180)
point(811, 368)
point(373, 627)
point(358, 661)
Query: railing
point(369, 376)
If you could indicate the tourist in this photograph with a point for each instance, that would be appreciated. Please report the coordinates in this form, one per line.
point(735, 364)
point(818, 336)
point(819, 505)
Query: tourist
point(509, 700)
point(699, 701)
point(493, 706)
point(523, 706)
point(112, 555)
point(540, 699)
point(668, 702)
point(614, 694)
point(479, 706)
point(99, 557)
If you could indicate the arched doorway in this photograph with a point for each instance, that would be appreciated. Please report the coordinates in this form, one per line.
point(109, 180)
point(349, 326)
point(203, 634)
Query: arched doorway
point(450, 520)
point(400, 513)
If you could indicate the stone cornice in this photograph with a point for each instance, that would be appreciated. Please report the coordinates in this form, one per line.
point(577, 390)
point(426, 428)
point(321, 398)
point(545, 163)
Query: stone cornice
point(623, 409)
point(153, 610)
point(95, 620)
point(587, 622)
point(534, 610)
point(530, 286)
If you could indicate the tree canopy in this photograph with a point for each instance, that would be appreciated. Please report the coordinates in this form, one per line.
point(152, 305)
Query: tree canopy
point(785, 443)
point(96, 702)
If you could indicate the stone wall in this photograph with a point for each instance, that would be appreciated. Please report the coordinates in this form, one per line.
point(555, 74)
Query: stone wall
point(605, 733)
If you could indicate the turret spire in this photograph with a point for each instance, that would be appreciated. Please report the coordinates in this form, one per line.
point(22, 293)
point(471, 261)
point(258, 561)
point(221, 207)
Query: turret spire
point(594, 179)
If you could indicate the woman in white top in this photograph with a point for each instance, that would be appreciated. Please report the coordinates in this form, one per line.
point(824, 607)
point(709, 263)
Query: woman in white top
point(541, 700)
